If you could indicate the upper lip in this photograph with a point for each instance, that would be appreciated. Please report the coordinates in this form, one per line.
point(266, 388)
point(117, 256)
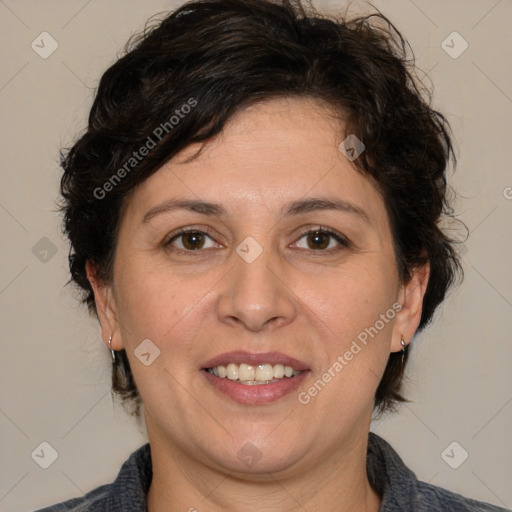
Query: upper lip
point(240, 356)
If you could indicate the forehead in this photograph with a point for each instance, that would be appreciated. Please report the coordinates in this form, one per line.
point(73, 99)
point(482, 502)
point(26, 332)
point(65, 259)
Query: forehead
point(268, 154)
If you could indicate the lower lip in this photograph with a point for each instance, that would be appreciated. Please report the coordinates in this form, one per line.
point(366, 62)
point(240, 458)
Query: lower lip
point(259, 393)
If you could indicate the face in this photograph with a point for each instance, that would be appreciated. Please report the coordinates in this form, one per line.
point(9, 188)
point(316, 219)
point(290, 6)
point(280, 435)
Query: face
point(268, 250)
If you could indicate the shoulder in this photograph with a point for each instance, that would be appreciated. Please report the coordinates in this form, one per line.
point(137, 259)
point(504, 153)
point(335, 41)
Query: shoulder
point(94, 501)
point(127, 492)
point(401, 490)
point(449, 501)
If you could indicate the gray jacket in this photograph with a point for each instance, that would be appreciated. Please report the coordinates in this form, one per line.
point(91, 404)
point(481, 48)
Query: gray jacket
point(401, 491)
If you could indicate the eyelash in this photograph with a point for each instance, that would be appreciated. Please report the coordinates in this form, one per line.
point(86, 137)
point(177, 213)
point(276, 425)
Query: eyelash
point(182, 232)
point(342, 240)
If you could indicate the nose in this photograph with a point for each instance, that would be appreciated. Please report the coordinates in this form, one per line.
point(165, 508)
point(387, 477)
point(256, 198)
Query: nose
point(257, 295)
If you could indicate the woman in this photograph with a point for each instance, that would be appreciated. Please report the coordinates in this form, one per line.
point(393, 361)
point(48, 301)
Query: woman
point(253, 216)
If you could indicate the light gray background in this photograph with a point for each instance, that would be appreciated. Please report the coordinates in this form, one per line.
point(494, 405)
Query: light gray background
point(54, 372)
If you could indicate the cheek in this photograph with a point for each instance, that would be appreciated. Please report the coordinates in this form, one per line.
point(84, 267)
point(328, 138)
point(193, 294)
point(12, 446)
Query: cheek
point(170, 312)
point(162, 306)
point(353, 299)
point(354, 314)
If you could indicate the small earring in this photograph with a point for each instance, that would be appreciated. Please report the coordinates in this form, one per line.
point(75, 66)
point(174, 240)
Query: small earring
point(403, 349)
point(113, 353)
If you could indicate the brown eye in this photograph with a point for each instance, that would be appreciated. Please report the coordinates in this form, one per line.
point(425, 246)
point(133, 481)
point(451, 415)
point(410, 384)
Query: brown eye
point(191, 241)
point(320, 240)
point(194, 240)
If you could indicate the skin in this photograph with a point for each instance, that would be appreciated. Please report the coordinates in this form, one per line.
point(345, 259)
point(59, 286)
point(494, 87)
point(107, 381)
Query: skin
point(308, 303)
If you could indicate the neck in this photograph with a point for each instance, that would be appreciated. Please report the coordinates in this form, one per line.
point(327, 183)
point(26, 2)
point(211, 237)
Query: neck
point(337, 481)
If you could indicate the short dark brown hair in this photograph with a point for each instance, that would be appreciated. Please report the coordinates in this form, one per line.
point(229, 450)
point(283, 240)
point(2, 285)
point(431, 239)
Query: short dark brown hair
point(219, 56)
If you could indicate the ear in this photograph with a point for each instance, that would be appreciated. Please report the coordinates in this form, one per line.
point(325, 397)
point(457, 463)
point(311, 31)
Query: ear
point(106, 308)
point(410, 297)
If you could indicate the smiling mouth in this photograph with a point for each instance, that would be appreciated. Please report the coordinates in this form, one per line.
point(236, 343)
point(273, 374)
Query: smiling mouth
point(253, 375)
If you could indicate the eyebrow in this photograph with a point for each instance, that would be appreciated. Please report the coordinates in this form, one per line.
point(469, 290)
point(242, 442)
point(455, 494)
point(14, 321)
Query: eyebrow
point(297, 207)
point(202, 207)
point(319, 203)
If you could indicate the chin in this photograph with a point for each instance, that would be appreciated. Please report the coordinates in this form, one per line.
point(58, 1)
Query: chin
point(255, 455)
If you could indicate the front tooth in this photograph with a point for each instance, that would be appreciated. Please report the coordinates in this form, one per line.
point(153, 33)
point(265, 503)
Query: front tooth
point(246, 372)
point(264, 372)
point(278, 371)
point(232, 371)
